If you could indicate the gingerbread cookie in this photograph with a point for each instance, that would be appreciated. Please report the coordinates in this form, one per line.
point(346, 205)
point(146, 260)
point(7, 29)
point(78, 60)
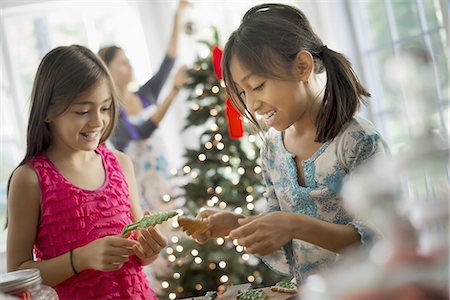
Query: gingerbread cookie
point(150, 220)
point(285, 287)
point(251, 295)
point(192, 225)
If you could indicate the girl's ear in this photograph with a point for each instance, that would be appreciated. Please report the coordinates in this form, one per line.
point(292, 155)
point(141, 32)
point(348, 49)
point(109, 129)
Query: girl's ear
point(303, 65)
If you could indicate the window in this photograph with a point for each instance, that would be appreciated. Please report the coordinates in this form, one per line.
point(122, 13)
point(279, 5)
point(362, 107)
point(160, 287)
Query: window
point(383, 28)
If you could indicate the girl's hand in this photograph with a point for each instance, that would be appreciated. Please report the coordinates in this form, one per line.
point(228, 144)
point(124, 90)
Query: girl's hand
point(264, 234)
point(105, 254)
point(220, 224)
point(151, 243)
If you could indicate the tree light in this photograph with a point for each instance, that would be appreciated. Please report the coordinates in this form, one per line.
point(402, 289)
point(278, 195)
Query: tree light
point(199, 92)
point(214, 127)
point(174, 239)
point(198, 260)
point(224, 278)
point(222, 264)
point(220, 241)
point(257, 169)
point(165, 284)
point(213, 112)
point(166, 198)
point(249, 198)
point(172, 296)
point(186, 169)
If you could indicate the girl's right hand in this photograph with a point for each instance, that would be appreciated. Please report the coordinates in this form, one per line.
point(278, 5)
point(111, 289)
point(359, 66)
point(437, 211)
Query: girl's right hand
point(105, 254)
point(220, 223)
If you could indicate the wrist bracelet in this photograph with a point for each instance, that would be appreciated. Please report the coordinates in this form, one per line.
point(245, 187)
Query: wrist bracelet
point(71, 262)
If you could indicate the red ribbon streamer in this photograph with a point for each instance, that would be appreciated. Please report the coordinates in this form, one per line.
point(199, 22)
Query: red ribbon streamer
point(235, 127)
point(234, 119)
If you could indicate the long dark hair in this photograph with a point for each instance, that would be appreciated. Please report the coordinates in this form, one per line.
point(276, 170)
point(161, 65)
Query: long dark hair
point(267, 42)
point(64, 74)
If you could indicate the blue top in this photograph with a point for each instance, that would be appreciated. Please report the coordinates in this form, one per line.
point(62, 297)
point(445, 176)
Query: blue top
point(148, 93)
point(320, 198)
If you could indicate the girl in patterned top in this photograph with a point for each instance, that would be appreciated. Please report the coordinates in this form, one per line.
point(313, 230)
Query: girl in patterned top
point(273, 66)
point(71, 196)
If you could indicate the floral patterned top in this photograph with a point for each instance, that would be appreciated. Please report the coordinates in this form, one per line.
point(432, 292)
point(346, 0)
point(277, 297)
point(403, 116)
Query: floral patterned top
point(324, 172)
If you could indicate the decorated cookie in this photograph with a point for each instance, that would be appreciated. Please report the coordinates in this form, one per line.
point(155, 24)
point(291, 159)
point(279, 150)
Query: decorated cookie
point(150, 220)
point(285, 287)
point(251, 295)
point(192, 225)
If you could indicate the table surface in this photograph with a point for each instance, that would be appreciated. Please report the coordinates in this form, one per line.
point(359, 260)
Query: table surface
point(232, 291)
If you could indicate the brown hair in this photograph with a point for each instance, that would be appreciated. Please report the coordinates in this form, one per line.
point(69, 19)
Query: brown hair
point(267, 42)
point(108, 53)
point(63, 74)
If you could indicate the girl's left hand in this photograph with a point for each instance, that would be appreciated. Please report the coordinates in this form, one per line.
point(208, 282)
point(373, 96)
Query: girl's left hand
point(151, 243)
point(265, 234)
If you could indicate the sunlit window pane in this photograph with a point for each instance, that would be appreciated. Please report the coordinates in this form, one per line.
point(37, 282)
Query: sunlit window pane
point(406, 18)
point(377, 21)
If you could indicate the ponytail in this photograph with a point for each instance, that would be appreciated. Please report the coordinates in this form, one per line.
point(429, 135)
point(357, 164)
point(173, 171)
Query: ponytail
point(343, 94)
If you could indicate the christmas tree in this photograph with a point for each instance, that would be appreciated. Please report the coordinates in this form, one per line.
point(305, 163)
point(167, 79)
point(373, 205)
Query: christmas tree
point(222, 173)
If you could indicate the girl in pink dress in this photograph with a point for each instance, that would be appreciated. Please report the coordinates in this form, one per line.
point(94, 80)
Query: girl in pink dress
point(71, 196)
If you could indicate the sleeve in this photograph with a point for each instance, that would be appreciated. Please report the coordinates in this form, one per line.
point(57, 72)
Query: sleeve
point(361, 147)
point(126, 132)
point(151, 89)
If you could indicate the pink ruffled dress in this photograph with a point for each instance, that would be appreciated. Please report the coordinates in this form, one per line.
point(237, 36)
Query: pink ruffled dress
point(73, 217)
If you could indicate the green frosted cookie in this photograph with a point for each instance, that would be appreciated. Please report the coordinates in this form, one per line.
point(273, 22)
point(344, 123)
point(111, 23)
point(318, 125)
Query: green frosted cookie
point(251, 295)
point(150, 220)
point(285, 287)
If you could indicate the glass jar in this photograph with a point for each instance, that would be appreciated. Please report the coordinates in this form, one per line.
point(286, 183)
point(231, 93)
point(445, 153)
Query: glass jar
point(26, 284)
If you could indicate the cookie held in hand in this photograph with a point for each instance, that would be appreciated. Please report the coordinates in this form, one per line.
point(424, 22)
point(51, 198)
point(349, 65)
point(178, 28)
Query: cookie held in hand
point(285, 287)
point(150, 220)
point(193, 225)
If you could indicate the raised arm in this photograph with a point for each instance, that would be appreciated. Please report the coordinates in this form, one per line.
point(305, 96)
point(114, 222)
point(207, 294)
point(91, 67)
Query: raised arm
point(151, 89)
point(173, 42)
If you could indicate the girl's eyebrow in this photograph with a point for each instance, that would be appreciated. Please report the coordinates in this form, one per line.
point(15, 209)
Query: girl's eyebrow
point(87, 101)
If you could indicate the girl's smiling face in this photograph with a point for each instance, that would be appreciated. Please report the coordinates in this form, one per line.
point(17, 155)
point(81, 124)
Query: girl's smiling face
point(85, 121)
point(280, 103)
